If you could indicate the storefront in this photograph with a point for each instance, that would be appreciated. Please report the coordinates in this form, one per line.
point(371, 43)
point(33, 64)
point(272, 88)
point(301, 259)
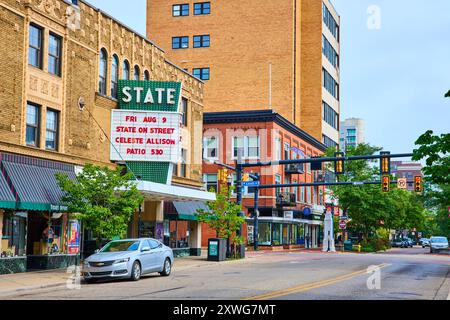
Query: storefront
point(180, 221)
point(37, 232)
point(286, 233)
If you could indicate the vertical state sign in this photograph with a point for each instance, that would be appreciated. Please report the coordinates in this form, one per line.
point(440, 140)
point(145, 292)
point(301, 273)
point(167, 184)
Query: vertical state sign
point(145, 132)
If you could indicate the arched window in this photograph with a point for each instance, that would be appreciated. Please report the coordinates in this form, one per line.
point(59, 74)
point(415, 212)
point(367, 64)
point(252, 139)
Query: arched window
point(126, 70)
point(114, 75)
point(146, 75)
point(137, 73)
point(103, 70)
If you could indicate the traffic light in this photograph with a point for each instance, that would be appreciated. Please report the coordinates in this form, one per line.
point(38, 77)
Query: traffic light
point(385, 163)
point(386, 183)
point(223, 175)
point(339, 166)
point(418, 187)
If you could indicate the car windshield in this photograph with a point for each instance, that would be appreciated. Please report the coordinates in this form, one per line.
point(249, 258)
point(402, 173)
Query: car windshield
point(439, 240)
point(119, 246)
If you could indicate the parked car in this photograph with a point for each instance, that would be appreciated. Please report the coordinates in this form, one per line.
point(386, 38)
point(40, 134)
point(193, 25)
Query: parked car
point(438, 243)
point(408, 242)
point(130, 258)
point(397, 243)
point(424, 242)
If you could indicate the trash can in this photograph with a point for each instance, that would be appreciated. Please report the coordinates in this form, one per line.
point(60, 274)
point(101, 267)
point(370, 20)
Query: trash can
point(217, 249)
point(348, 245)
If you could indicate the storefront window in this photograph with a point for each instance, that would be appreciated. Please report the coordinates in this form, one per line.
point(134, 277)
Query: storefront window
point(301, 234)
point(264, 234)
point(276, 234)
point(293, 239)
point(13, 234)
point(179, 234)
point(45, 233)
point(285, 234)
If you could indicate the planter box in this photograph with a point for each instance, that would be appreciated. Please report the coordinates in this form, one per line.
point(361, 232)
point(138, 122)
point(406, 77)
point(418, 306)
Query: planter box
point(52, 262)
point(13, 265)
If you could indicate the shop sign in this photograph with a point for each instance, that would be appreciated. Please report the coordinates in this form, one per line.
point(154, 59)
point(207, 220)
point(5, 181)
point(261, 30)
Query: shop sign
point(59, 208)
point(149, 136)
point(149, 95)
point(317, 217)
point(289, 214)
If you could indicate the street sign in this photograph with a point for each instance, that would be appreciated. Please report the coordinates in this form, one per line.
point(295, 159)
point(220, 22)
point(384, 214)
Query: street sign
point(250, 183)
point(342, 224)
point(402, 183)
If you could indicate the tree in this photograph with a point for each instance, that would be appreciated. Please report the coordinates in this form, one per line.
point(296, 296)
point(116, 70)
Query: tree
point(224, 217)
point(447, 95)
point(368, 207)
point(103, 199)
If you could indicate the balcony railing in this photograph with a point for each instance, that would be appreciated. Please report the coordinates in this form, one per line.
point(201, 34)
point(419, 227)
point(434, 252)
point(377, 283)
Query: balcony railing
point(286, 199)
point(294, 168)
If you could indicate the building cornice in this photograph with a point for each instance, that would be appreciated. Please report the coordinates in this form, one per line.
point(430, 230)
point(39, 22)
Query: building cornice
point(261, 116)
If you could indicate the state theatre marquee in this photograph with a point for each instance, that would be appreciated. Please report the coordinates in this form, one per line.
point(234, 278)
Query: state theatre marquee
point(147, 136)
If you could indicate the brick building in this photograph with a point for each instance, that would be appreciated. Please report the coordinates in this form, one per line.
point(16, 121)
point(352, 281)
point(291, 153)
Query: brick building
point(277, 54)
point(265, 135)
point(408, 170)
point(61, 62)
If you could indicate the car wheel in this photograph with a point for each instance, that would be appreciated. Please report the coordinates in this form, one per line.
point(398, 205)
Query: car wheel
point(167, 268)
point(136, 271)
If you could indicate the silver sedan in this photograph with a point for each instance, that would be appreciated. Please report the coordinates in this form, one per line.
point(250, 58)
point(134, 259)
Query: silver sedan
point(130, 258)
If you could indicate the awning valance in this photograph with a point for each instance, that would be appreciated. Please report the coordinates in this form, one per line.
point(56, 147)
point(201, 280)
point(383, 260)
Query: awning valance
point(161, 192)
point(34, 181)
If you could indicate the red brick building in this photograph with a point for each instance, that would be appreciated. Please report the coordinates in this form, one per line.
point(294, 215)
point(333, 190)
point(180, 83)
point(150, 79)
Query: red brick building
point(408, 170)
point(265, 135)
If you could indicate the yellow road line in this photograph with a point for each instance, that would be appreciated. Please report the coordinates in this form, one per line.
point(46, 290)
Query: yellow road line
point(310, 286)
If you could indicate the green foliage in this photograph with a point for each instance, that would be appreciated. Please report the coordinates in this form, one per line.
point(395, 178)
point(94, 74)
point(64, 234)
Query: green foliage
point(370, 209)
point(223, 217)
point(435, 149)
point(436, 152)
point(103, 199)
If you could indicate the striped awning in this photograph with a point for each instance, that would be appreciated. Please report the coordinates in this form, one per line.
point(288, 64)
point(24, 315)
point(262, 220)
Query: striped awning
point(7, 198)
point(33, 181)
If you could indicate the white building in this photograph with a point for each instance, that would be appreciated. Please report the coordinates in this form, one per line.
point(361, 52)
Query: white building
point(351, 132)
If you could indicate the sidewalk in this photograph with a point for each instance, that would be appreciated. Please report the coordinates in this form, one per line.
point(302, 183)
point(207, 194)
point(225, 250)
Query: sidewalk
point(12, 284)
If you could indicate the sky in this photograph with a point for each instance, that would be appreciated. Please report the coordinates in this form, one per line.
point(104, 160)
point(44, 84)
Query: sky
point(395, 64)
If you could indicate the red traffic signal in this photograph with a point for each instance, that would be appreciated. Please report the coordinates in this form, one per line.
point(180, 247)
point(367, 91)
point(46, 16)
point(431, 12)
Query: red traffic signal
point(418, 186)
point(386, 184)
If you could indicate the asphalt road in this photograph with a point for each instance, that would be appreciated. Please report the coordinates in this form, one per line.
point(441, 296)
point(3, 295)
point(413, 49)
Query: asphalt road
point(397, 274)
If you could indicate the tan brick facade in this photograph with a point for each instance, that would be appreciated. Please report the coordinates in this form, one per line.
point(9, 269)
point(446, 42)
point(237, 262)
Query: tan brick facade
point(83, 135)
point(246, 37)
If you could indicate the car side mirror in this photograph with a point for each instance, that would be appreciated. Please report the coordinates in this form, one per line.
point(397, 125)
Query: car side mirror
point(145, 249)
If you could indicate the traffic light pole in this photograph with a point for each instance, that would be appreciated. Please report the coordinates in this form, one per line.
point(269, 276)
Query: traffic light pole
point(256, 220)
point(328, 159)
point(239, 172)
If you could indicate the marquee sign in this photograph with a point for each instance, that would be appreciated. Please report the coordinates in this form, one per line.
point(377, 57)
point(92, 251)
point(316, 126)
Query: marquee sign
point(145, 136)
point(145, 131)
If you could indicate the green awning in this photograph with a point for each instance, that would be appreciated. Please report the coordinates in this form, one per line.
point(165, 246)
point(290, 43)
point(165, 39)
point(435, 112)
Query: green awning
point(184, 210)
point(34, 181)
